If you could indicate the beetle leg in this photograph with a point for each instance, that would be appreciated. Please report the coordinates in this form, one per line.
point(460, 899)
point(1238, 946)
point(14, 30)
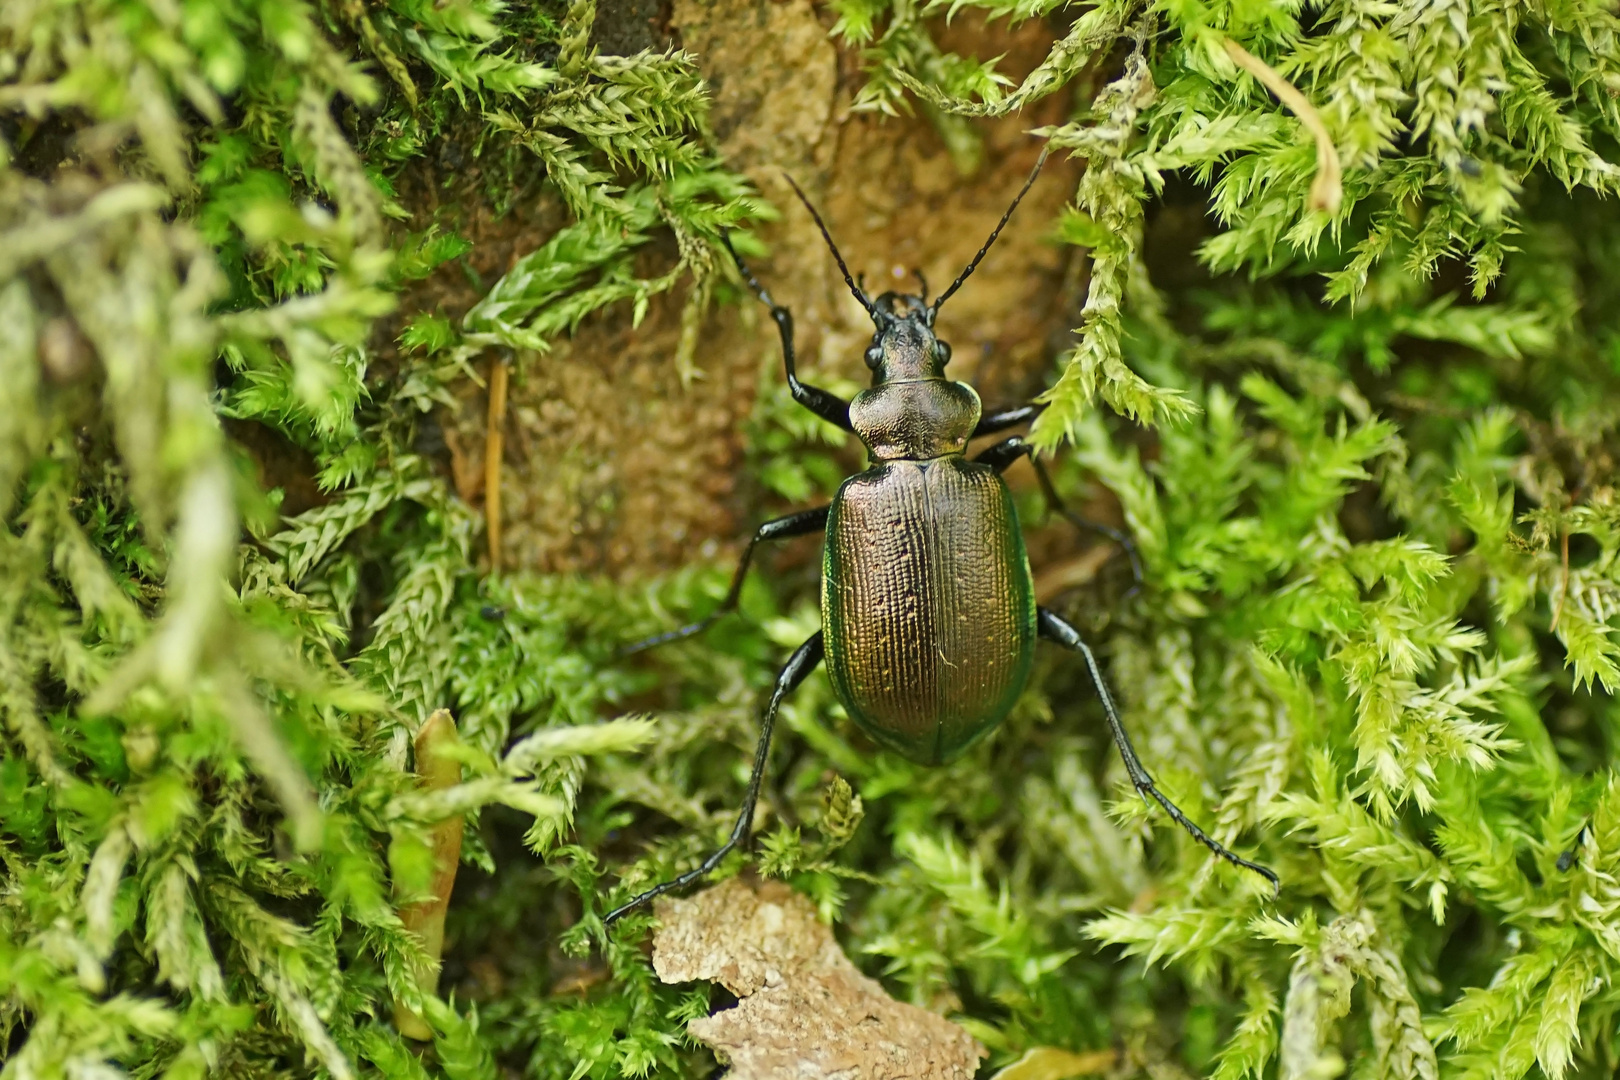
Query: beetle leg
point(1052, 628)
point(1054, 500)
point(799, 665)
point(825, 404)
point(1000, 456)
point(1567, 859)
point(1002, 419)
point(801, 524)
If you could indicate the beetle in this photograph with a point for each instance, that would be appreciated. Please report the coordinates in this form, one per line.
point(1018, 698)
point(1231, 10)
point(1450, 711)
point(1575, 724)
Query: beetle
point(928, 611)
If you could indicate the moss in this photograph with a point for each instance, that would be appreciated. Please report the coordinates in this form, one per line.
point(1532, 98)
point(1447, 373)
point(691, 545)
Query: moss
point(257, 256)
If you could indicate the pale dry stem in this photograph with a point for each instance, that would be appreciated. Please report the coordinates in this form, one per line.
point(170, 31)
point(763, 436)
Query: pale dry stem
point(1327, 190)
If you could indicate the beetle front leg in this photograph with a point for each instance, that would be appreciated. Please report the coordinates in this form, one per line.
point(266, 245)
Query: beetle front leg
point(825, 404)
point(799, 665)
point(801, 524)
point(1000, 456)
point(1055, 629)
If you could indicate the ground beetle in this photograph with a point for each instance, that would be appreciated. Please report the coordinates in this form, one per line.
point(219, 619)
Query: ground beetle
point(928, 610)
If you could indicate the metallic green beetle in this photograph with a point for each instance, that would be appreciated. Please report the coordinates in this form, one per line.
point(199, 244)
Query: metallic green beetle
point(928, 610)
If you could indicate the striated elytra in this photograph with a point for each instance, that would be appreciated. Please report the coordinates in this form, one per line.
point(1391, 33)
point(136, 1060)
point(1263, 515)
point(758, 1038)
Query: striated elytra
point(927, 605)
point(928, 610)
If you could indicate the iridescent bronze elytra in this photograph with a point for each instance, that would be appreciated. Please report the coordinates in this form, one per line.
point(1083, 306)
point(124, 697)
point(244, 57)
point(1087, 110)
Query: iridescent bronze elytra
point(928, 610)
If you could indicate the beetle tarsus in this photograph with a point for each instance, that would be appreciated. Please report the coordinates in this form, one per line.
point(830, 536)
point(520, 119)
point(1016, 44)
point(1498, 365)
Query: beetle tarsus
point(825, 404)
point(706, 868)
point(1055, 629)
point(799, 666)
point(671, 635)
point(1149, 789)
point(1567, 858)
point(802, 523)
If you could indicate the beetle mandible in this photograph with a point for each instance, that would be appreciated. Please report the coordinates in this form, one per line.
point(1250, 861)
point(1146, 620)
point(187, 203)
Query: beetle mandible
point(928, 609)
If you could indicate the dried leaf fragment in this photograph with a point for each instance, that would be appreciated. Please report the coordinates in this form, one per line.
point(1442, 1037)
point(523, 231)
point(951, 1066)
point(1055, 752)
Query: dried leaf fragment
point(804, 1010)
point(1052, 1063)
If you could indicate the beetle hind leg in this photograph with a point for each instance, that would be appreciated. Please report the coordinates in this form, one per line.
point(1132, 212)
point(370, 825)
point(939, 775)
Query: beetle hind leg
point(799, 665)
point(1052, 628)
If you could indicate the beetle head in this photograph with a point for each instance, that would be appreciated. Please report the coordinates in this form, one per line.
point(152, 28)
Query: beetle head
point(904, 345)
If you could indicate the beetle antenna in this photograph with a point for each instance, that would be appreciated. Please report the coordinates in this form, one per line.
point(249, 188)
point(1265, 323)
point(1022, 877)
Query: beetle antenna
point(918, 274)
point(827, 236)
point(974, 265)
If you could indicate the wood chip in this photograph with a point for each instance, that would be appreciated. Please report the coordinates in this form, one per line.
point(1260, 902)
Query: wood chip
point(804, 1011)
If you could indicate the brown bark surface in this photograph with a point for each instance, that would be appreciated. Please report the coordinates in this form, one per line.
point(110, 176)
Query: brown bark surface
point(611, 464)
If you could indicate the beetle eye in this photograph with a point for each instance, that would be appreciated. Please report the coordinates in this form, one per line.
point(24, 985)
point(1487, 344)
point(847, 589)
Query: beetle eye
point(942, 349)
point(874, 355)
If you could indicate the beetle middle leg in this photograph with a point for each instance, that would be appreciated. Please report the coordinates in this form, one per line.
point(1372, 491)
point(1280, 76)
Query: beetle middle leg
point(1052, 628)
point(799, 665)
point(1000, 456)
point(801, 524)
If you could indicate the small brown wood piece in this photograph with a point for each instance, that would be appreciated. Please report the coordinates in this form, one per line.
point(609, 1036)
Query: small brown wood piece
point(435, 771)
point(804, 1010)
point(494, 448)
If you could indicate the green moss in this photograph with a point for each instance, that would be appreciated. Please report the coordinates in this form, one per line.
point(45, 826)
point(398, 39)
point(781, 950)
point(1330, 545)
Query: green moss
point(1375, 647)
